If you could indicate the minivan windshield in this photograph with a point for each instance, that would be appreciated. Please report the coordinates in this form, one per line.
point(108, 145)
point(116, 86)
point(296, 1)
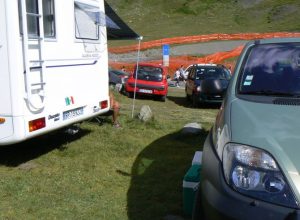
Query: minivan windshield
point(149, 73)
point(271, 70)
point(204, 72)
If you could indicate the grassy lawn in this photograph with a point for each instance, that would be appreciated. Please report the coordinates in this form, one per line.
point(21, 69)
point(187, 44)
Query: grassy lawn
point(105, 173)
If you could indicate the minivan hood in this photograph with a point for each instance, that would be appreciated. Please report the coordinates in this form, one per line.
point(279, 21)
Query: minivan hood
point(274, 128)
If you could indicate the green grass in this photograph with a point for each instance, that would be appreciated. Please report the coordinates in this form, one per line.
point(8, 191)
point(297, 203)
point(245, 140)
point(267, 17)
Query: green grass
point(158, 19)
point(105, 173)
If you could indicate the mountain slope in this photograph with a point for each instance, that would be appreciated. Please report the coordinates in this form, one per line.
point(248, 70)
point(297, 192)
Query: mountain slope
point(156, 19)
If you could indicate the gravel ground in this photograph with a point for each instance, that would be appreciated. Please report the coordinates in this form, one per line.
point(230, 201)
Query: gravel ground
point(179, 50)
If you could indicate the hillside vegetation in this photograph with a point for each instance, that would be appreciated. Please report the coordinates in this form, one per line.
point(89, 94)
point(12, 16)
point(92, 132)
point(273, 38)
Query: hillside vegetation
point(156, 19)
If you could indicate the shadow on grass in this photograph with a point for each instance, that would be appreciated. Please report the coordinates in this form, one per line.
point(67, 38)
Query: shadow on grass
point(16, 154)
point(157, 174)
point(182, 101)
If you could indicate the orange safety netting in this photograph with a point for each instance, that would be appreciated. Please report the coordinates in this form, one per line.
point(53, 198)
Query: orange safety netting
point(175, 62)
point(219, 57)
point(201, 38)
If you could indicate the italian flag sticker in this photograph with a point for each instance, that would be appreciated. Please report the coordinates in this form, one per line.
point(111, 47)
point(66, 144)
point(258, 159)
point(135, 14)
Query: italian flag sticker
point(69, 100)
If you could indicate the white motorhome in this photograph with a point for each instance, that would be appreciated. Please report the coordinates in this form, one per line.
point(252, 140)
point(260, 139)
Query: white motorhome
point(53, 65)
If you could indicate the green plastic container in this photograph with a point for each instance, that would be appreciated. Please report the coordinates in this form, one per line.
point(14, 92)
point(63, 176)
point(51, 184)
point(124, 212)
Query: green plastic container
point(190, 186)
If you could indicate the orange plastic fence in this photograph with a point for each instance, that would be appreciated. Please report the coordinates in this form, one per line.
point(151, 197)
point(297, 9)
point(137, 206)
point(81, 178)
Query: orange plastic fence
point(175, 62)
point(219, 57)
point(201, 38)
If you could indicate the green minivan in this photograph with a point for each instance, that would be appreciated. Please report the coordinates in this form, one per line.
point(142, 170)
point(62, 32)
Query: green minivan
point(251, 157)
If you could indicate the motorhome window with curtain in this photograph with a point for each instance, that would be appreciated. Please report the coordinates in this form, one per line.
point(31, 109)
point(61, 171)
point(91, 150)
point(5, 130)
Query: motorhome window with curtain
point(86, 21)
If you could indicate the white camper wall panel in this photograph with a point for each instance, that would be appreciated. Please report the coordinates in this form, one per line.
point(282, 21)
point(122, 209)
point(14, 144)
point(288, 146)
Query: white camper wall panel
point(15, 57)
point(12, 94)
point(5, 96)
point(6, 129)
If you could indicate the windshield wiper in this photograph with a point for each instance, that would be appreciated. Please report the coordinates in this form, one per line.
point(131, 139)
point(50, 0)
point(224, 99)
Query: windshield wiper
point(270, 93)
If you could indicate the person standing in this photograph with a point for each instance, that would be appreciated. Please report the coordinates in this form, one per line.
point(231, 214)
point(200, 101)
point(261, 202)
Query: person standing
point(115, 107)
point(181, 70)
point(177, 77)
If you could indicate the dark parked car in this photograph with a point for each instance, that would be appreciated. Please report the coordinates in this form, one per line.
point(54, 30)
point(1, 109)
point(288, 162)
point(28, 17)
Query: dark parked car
point(117, 77)
point(206, 83)
point(250, 160)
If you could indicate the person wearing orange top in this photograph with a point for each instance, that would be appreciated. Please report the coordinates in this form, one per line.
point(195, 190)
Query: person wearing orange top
point(115, 107)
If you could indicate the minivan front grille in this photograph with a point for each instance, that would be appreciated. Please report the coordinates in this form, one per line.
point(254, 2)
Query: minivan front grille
point(285, 101)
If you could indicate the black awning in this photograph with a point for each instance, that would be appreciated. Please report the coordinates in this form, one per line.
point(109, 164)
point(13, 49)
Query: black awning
point(123, 32)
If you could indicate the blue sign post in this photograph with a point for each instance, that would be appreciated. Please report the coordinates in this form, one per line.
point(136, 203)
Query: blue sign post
point(166, 54)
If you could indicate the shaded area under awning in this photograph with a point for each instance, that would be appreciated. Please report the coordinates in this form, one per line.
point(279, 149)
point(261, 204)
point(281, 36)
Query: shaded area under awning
point(124, 32)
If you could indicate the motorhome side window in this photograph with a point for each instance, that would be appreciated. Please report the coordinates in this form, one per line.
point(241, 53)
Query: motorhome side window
point(33, 21)
point(86, 21)
point(48, 18)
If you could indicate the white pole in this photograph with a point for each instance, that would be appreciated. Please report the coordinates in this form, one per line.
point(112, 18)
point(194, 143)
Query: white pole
point(136, 71)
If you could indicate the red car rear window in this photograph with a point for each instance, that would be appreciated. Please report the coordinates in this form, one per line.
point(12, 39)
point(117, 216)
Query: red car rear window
point(149, 73)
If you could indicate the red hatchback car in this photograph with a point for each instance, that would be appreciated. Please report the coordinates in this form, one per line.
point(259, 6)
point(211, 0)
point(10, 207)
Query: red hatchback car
point(148, 79)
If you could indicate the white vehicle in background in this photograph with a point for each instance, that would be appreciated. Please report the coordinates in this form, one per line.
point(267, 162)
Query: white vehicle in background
point(54, 64)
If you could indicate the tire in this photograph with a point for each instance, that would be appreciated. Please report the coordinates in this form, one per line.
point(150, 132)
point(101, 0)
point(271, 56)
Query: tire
point(130, 94)
point(197, 209)
point(163, 98)
point(194, 101)
point(187, 96)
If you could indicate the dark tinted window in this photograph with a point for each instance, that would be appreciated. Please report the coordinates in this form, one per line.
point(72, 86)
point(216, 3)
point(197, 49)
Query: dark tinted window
point(271, 69)
point(150, 73)
point(216, 72)
point(48, 18)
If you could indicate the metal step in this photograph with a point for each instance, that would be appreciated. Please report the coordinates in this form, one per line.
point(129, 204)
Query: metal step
point(37, 61)
point(38, 84)
point(34, 14)
point(34, 38)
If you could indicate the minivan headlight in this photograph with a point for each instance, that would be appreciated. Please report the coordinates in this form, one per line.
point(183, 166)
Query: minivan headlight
point(254, 172)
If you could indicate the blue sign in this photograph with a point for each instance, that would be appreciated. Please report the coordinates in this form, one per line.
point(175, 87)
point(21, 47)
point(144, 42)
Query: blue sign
point(166, 49)
point(166, 53)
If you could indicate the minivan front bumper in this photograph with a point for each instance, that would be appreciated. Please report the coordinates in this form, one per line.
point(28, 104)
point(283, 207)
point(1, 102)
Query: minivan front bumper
point(219, 201)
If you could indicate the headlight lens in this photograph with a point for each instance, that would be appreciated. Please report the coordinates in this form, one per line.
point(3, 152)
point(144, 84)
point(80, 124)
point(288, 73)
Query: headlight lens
point(255, 173)
point(198, 88)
